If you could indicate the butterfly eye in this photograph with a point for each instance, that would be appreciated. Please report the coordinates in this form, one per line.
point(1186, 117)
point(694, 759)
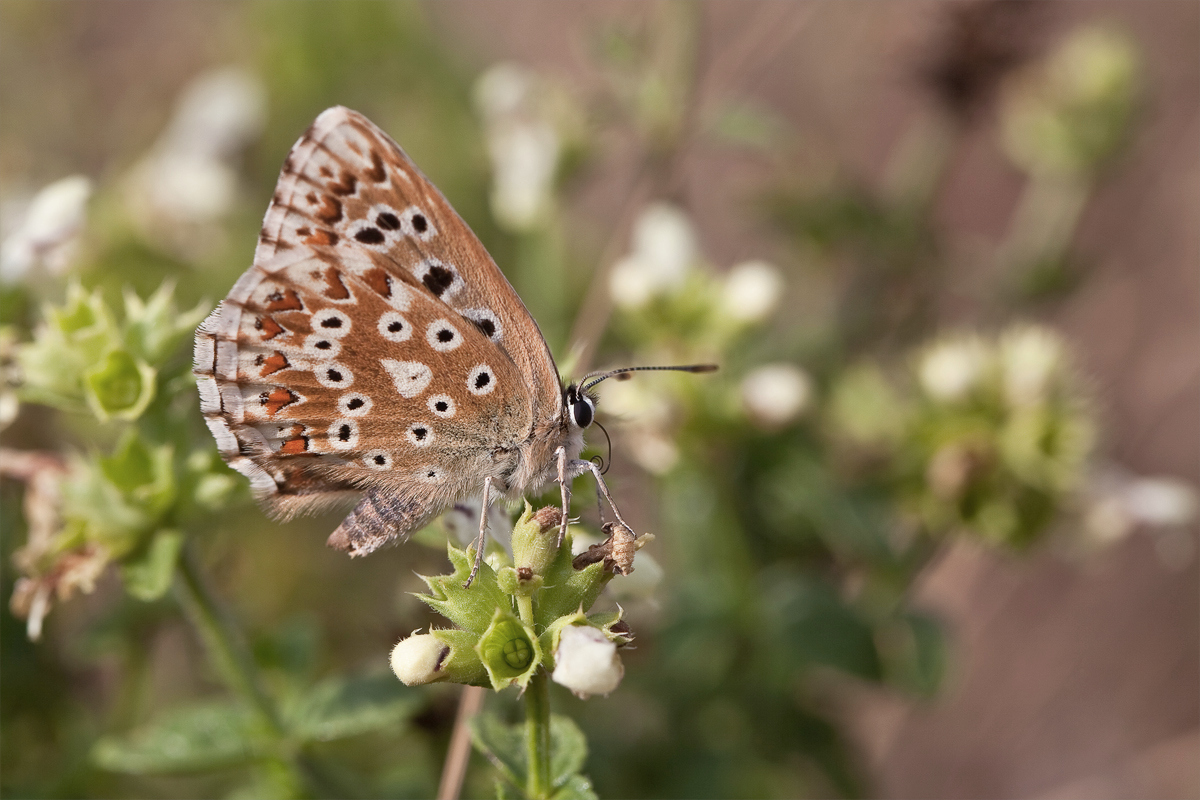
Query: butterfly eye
point(582, 411)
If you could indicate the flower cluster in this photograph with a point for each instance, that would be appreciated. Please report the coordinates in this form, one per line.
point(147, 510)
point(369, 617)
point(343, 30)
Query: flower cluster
point(525, 616)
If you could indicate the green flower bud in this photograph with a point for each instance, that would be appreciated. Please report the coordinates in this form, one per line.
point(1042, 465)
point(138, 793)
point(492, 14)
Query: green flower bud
point(518, 581)
point(535, 539)
point(510, 651)
point(120, 387)
point(440, 656)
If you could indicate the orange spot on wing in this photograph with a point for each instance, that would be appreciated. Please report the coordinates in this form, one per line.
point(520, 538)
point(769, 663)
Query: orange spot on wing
point(274, 362)
point(379, 280)
point(334, 288)
point(322, 237)
point(269, 327)
point(277, 399)
point(284, 301)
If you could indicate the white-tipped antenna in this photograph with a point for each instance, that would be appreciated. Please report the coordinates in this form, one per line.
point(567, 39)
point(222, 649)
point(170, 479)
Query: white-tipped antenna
point(592, 378)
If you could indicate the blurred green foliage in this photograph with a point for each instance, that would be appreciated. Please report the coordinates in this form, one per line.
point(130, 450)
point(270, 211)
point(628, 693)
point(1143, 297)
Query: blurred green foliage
point(797, 494)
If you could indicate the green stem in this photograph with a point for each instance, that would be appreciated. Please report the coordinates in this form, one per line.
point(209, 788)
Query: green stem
point(231, 658)
point(537, 736)
point(226, 648)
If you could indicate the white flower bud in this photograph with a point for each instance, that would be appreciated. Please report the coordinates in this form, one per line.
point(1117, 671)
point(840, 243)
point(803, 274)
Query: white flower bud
point(586, 662)
point(1161, 501)
point(775, 394)
point(949, 370)
point(1029, 357)
point(51, 225)
point(415, 660)
point(752, 290)
point(663, 248)
point(524, 159)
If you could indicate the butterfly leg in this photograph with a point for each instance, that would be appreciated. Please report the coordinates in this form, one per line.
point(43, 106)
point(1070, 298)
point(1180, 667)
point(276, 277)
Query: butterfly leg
point(568, 471)
point(481, 540)
point(564, 484)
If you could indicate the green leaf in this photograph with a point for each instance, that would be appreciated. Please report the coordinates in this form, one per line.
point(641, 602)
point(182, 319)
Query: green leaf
point(568, 750)
point(577, 787)
point(120, 387)
point(470, 609)
point(147, 575)
point(185, 740)
point(341, 707)
point(566, 589)
point(503, 745)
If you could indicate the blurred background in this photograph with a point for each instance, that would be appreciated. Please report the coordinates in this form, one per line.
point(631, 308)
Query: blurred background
point(930, 531)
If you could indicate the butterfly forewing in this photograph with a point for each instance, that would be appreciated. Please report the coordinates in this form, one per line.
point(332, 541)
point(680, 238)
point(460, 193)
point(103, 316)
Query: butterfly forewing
point(373, 343)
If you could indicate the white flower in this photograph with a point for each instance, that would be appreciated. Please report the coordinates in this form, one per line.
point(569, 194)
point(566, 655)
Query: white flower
point(415, 660)
point(950, 369)
point(586, 662)
point(775, 394)
point(189, 177)
point(524, 160)
point(663, 248)
point(1029, 356)
point(752, 290)
point(462, 522)
point(522, 142)
point(1161, 502)
point(49, 229)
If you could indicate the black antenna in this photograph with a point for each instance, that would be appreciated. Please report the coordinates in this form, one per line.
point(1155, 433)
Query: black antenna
point(587, 382)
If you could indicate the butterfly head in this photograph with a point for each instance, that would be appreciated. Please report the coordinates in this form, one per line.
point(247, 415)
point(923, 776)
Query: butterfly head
point(580, 407)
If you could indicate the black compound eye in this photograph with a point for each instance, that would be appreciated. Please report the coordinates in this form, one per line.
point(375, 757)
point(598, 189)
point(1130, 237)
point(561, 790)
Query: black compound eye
point(582, 412)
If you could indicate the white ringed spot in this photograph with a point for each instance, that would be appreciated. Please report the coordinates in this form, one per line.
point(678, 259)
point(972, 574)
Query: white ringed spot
point(486, 321)
point(481, 380)
point(442, 405)
point(354, 405)
point(440, 278)
point(333, 375)
point(442, 336)
point(321, 346)
point(331, 322)
point(410, 377)
point(343, 434)
point(394, 327)
point(419, 434)
point(416, 223)
point(378, 459)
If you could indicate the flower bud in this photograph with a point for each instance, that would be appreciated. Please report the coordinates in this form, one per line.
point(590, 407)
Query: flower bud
point(752, 290)
point(775, 394)
point(586, 662)
point(535, 539)
point(440, 656)
point(950, 370)
point(509, 651)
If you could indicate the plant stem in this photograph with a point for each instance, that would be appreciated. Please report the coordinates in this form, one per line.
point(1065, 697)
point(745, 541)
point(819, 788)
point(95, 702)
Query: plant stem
point(231, 658)
point(226, 648)
point(537, 736)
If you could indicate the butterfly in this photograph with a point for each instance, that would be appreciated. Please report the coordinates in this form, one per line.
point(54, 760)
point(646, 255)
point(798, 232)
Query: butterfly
point(374, 350)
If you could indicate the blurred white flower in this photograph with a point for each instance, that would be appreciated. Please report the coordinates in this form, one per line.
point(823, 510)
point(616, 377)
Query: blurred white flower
point(1029, 356)
point(586, 662)
point(639, 584)
point(1121, 502)
point(415, 660)
point(48, 230)
point(189, 178)
point(653, 451)
point(663, 247)
point(775, 394)
point(752, 291)
point(1161, 501)
point(950, 369)
point(522, 143)
point(646, 416)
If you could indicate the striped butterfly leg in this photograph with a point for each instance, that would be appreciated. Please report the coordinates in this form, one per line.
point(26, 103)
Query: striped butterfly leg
point(481, 539)
point(569, 470)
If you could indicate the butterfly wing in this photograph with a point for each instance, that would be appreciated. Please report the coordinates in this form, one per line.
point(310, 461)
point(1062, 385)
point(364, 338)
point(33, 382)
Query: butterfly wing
point(373, 344)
